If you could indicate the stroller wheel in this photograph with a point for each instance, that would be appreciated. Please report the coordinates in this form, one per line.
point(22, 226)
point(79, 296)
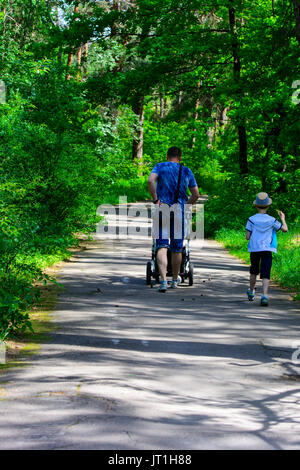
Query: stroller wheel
point(191, 274)
point(148, 273)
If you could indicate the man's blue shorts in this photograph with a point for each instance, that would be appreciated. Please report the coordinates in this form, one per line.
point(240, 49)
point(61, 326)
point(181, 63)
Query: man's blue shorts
point(174, 244)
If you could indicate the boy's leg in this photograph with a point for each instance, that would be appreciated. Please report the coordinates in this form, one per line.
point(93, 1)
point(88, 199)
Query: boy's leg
point(265, 274)
point(252, 281)
point(254, 271)
point(251, 290)
point(265, 284)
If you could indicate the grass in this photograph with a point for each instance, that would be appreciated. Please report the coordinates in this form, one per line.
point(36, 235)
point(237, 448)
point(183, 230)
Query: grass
point(135, 190)
point(286, 263)
point(28, 343)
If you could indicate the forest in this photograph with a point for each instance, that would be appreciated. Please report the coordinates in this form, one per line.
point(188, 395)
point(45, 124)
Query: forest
point(93, 93)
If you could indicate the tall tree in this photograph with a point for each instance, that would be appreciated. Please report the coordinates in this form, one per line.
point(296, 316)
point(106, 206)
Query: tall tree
point(243, 161)
point(137, 144)
point(296, 4)
point(71, 53)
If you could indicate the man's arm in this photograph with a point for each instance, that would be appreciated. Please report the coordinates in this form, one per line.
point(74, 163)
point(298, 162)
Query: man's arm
point(248, 234)
point(152, 186)
point(194, 195)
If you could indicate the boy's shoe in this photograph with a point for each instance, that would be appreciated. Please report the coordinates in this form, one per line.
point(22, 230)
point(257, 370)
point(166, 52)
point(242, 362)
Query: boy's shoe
point(264, 301)
point(251, 294)
point(163, 286)
point(175, 282)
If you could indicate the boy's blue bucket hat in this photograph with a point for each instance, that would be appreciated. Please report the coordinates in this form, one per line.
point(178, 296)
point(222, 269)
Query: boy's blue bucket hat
point(262, 200)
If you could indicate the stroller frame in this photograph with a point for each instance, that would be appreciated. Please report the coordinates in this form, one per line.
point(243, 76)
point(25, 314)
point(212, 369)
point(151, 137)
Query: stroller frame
point(186, 268)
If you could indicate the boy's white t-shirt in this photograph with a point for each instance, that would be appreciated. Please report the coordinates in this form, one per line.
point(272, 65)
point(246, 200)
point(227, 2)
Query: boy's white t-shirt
point(261, 227)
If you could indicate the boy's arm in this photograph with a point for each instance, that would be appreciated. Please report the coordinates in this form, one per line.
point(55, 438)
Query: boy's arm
point(284, 227)
point(249, 225)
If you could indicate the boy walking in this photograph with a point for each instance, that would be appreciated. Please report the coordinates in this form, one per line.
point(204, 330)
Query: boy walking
point(261, 233)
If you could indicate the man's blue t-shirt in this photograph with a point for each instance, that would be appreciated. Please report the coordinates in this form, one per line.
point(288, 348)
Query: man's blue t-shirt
point(167, 181)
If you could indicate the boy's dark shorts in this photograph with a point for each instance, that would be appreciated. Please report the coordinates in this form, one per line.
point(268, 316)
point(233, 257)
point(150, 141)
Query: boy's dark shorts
point(261, 263)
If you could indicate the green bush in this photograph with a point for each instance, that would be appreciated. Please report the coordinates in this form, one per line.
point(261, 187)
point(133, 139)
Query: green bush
point(232, 205)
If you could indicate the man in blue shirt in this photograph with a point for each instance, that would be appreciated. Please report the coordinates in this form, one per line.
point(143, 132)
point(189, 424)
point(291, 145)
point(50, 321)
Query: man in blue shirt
point(162, 184)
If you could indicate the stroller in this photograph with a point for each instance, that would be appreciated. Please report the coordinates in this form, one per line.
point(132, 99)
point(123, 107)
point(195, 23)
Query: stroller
point(186, 268)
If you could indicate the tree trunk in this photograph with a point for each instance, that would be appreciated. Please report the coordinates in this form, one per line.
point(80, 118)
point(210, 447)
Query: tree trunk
point(165, 106)
point(224, 118)
point(114, 28)
point(79, 55)
point(161, 106)
point(179, 98)
point(297, 17)
point(242, 135)
point(196, 115)
point(85, 59)
point(243, 155)
point(4, 31)
point(69, 63)
point(70, 56)
point(4, 20)
point(156, 107)
point(28, 24)
point(137, 144)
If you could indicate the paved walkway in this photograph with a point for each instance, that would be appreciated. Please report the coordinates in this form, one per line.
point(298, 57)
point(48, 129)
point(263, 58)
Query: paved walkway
point(129, 368)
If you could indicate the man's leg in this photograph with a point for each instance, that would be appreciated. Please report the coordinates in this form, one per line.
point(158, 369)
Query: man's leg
point(162, 262)
point(176, 263)
point(176, 245)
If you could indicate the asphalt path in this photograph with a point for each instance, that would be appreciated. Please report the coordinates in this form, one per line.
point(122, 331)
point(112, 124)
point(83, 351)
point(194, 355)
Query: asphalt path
point(199, 367)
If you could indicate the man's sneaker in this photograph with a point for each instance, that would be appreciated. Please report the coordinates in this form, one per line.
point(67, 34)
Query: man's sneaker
point(251, 294)
point(175, 282)
point(163, 286)
point(264, 301)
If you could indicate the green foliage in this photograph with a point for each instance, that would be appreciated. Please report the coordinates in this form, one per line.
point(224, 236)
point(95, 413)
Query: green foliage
point(232, 206)
point(133, 189)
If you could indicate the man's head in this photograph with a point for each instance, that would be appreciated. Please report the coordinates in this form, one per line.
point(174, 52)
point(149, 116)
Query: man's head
point(174, 154)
